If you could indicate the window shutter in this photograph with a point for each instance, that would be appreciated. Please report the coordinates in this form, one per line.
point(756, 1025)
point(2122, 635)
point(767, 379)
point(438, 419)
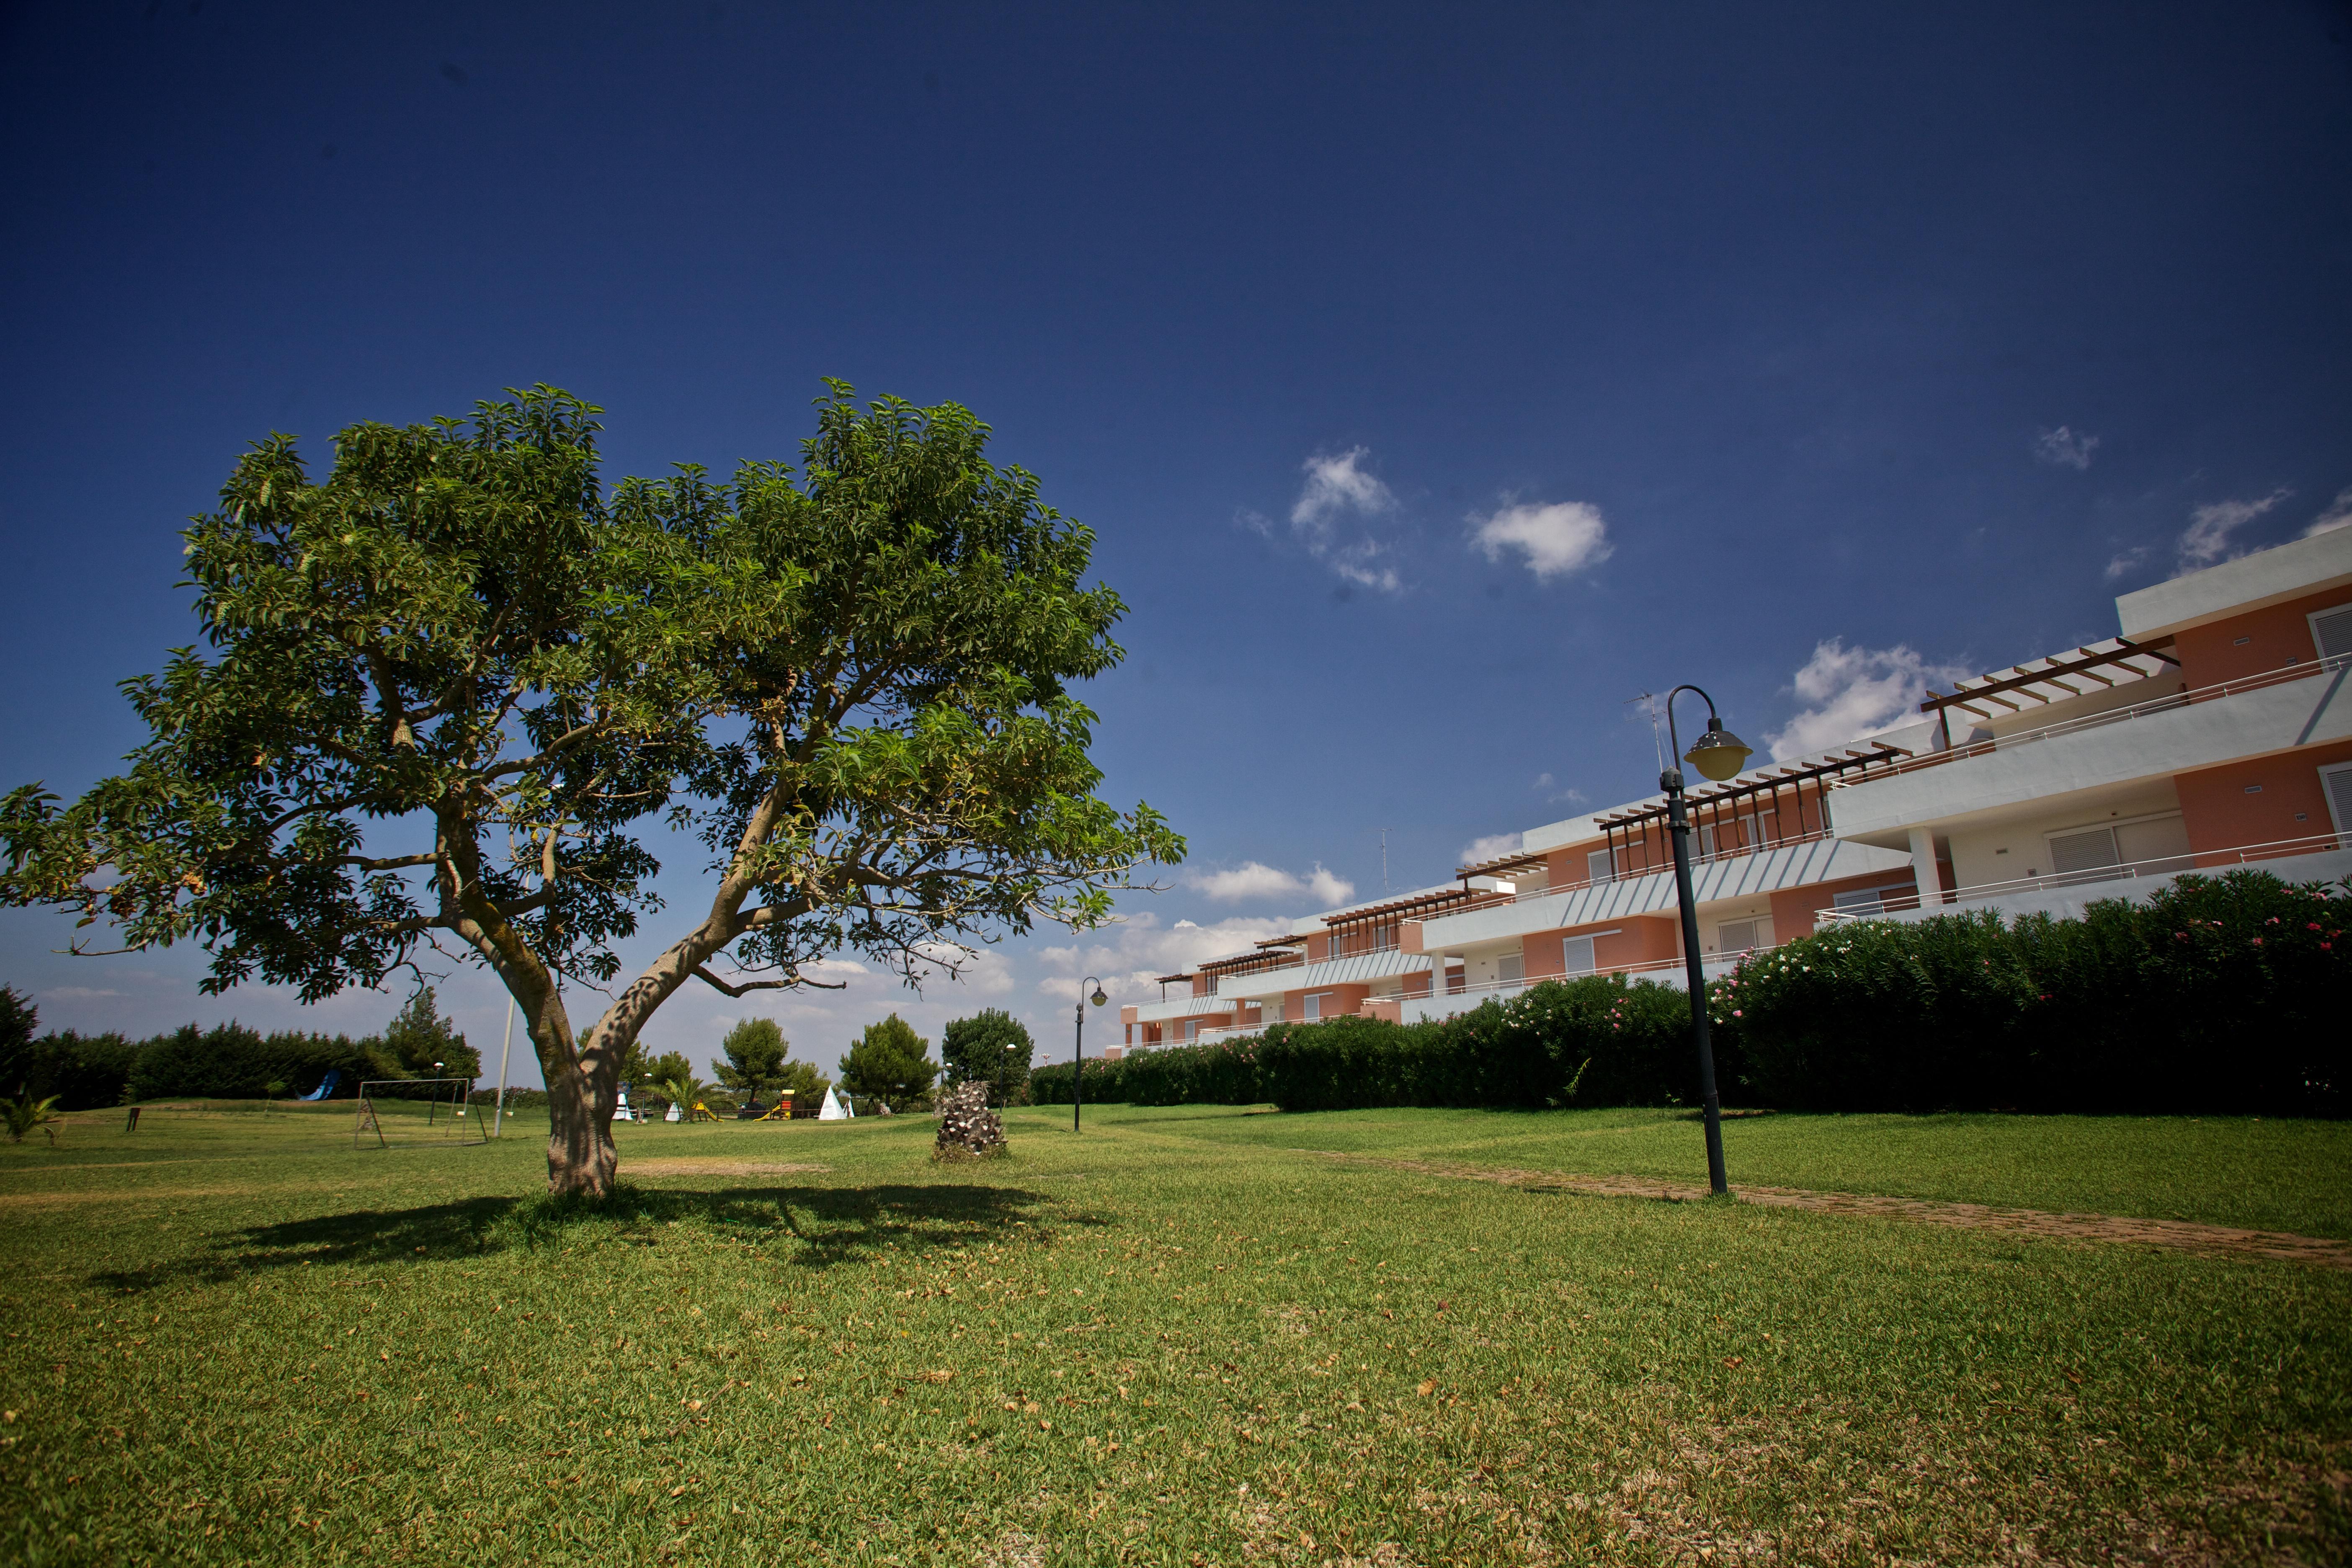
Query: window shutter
point(2333, 632)
point(1600, 865)
point(2083, 851)
point(1577, 953)
point(2339, 797)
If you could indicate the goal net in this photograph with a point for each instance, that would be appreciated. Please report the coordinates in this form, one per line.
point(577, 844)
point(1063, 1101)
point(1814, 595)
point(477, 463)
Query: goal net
point(417, 1111)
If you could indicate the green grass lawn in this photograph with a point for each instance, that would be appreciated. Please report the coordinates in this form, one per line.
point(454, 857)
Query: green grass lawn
point(1175, 1338)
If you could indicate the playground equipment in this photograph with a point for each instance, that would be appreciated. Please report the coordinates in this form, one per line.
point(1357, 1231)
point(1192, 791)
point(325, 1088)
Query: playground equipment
point(623, 1111)
point(415, 1110)
point(326, 1086)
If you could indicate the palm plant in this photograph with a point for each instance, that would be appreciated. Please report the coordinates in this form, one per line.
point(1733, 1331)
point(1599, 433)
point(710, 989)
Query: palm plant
point(24, 1113)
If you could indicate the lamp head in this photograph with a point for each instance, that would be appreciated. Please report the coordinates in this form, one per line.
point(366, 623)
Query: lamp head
point(1099, 998)
point(1718, 755)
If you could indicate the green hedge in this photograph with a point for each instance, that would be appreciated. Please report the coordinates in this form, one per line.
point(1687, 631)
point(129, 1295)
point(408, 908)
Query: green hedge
point(1595, 1041)
point(2219, 995)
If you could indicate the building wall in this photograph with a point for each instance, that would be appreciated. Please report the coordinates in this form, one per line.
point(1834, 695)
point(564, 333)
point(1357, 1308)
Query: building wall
point(2275, 635)
point(2017, 848)
point(1640, 938)
point(2262, 801)
point(1337, 1001)
point(1793, 909)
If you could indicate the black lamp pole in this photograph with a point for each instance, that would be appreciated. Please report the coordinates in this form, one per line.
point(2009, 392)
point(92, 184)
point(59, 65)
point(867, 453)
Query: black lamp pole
point(1710, 753)
point(1078, 1052)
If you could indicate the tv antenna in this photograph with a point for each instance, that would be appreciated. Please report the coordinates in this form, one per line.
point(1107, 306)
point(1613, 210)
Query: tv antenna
point(1384, 859)
point(1657, 742)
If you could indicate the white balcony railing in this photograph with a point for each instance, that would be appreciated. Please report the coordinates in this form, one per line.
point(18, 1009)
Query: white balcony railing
point(2167, 866)
point(2300, 670)
point(1469, 996)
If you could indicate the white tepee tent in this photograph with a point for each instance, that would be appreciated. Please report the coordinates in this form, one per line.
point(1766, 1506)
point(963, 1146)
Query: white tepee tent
point(835, 1109)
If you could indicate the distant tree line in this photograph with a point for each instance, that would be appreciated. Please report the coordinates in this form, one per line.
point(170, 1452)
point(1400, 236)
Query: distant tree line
point(227, 1061)
point(888, 1063)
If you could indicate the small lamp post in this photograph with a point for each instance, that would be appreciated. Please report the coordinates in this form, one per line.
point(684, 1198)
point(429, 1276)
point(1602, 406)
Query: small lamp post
point(1717, 756)
point(1079, 1051)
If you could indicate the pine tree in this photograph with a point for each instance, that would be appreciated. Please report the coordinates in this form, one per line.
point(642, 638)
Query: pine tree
point(889, 1063)
point(991, 1048)
point(755, 1050)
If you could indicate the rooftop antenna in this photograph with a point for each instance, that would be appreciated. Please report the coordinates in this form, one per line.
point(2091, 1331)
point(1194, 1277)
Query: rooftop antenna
point(1384, 859)
point(1657, 742)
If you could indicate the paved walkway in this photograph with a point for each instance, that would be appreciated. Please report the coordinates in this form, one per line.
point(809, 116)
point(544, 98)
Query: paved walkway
point(2217, 1240)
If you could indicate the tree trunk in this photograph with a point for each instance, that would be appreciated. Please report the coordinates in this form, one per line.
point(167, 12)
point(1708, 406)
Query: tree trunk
point(580, 1153)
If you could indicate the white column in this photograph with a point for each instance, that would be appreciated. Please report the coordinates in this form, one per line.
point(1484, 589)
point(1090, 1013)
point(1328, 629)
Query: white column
point(1923, 869)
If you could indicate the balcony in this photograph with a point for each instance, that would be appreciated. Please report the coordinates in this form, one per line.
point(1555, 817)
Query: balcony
point(1181, 1007)
point(2296, 705)
point(1415, 1009)
point(1356, 969)
point(1735, 873)
point(2327, 857)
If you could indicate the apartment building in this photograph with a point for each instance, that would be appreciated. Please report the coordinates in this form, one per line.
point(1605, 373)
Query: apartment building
point(2215, 731)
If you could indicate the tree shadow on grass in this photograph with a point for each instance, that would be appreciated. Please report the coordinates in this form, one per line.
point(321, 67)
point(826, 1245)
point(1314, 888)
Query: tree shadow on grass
point(806, 1227)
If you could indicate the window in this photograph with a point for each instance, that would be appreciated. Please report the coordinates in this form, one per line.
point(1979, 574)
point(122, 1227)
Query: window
point(2336, 782)
point(2331, 631)
point(1576, 952)
point(1191, 1030)
point(2071, 852)
point(2149, 842)
point(1315, 1005)
point(1866, 901)
point(1739, 936)
point(1701, 840)
point(1600, 865)
point(1510, 969)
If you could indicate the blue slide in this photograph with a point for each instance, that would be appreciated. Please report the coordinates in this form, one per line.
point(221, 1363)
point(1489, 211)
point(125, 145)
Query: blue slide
point(326, 1085)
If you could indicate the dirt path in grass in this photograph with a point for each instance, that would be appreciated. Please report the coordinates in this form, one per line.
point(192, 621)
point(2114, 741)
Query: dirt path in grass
point(2219, 1240)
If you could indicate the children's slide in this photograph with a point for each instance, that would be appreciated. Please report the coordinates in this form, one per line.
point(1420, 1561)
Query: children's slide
point(326, 1085)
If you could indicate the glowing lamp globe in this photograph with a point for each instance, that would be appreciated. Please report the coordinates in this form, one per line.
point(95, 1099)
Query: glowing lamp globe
point(1718, 755)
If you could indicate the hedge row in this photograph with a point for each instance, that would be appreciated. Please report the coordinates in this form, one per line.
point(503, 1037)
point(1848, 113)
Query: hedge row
point(1596, 1041)
point(2217, 996)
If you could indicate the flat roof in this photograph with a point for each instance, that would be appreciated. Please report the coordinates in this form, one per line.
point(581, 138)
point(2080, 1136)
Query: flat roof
point(2270, 576)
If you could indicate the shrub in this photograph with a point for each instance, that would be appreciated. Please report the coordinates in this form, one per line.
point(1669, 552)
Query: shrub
point(2216, 995)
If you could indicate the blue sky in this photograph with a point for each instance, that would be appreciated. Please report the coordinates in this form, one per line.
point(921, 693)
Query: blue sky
point(1436, 379)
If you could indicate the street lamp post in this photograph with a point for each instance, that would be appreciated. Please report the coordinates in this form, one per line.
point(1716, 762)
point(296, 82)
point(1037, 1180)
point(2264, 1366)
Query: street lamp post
point(1079, 1051)
point(1718, 754)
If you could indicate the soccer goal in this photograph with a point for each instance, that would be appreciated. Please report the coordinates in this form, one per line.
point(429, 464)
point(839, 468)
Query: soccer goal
point(417, 1111)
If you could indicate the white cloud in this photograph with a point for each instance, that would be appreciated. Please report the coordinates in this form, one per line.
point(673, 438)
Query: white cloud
point(2206, 538)
point(76, 994)
point(2062, 449)
point(2338, 515)
point(1137, 952)
point(1557, 539)
point(1851, 692)
point(1252, 879)
point(2125, 561)
point(1337, 485)
point(1486, 848)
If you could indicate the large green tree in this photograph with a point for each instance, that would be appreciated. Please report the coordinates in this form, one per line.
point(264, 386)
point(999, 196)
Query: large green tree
point(992, 1047)
point(890, 1063)
point(447, 693)
point(753, 1053)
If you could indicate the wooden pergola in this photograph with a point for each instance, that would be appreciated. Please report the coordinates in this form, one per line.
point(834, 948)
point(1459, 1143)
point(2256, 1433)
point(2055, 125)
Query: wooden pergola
point(2045, 680)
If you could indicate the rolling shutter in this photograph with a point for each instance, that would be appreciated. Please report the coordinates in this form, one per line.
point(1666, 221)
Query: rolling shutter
point(2083, 851)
